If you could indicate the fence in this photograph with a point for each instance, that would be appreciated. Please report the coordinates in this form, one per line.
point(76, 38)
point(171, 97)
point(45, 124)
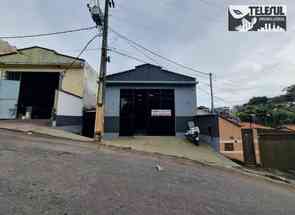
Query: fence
point(277, 149)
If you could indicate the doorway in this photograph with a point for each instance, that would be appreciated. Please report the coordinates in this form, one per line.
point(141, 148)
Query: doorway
point(37, 92)
point(248, 147)
point(147, 112)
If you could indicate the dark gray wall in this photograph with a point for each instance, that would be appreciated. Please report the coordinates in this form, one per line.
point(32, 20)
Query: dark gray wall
point(209, 128)
point(68, 120)
point(208, 125)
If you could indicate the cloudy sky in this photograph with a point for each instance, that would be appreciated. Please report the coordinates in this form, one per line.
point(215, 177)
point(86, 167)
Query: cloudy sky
point(192, 32)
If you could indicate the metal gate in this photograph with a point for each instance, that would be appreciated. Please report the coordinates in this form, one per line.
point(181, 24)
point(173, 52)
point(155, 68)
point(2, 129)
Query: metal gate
point(9, 91)
point(147, 112)
point(248, 147)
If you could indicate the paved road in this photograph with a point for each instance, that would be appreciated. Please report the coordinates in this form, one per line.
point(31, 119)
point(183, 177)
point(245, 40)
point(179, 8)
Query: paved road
point(46, 176)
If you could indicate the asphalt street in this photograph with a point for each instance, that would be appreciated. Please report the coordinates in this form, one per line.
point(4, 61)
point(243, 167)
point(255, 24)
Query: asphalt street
point(41, 175)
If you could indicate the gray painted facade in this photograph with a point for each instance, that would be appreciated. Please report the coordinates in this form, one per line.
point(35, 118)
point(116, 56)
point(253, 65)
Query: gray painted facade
point(150, 77)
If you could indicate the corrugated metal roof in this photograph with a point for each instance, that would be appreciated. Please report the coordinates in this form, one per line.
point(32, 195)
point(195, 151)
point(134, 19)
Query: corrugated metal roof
point(38, 56)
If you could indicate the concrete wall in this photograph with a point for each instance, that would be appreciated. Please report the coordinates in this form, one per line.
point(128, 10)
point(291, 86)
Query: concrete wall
point(73, 82)
point(112, 105)
point(69, 112)
point(90, 87)
point(185, 103)
point(231, 133)
point(277, 149)
point(69, 105)
point(2, 74)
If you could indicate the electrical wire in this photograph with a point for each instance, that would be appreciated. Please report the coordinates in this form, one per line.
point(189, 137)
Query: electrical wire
point(114, 50)
point(128, 56)
point(81, 52)
point(143, 53)
point(216, 97)
point(158, 55)
point(48, 34)
point(121, 52)
point(165, 58)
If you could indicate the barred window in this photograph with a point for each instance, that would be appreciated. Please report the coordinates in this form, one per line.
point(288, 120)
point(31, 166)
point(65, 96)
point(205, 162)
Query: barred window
point(228, 147)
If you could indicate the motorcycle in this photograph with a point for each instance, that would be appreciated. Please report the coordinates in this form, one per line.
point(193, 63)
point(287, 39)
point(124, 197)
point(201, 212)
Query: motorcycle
point(193, 134)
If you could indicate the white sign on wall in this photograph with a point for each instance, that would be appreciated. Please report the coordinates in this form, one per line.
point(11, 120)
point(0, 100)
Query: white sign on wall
point(161, 113)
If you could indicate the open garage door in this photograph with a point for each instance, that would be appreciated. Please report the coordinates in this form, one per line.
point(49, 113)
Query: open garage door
point(147, 112)
point(37, 94)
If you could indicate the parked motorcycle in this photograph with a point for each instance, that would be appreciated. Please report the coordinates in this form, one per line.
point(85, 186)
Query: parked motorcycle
point(193, 134)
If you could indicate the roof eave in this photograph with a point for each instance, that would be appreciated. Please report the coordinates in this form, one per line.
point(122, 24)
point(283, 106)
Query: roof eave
point(154, 82)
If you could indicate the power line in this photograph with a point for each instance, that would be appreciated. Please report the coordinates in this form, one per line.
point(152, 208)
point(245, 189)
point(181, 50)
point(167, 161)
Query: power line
point(141, 60)
point(128, 56)
point(159, 64)
point(217, 97)
point(143, 53)
point(81, 52)
point(48, 34)
point(158, 55)
point(121, 52)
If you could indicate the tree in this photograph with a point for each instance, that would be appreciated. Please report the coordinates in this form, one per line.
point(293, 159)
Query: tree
point(258, 100)
point(290, 90)
point(272, 112)
point(290, 93)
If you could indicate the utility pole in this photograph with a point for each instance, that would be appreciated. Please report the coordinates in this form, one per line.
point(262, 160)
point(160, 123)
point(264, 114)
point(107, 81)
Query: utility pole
point(99, 119)
point(103, 21)
point(211, 91)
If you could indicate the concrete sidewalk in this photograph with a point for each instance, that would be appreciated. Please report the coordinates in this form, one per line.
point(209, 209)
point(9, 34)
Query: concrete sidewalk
point(173, 146)
point(40, 128)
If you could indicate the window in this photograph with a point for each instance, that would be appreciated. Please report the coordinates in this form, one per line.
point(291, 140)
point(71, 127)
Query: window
point(228, 147)
point(13, 76)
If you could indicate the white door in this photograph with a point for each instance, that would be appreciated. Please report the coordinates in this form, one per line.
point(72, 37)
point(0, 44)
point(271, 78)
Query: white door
point(9, 91)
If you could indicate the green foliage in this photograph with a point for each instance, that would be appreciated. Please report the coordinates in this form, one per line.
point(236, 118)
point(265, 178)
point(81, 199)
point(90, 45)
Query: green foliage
point(290, 90)
point(258, 100)
point(271, 112)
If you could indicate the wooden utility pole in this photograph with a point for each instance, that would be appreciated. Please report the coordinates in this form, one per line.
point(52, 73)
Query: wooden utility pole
point(99, 119)
point(211, 91)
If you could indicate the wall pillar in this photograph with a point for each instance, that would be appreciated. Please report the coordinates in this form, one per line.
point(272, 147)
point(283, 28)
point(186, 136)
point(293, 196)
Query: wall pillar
point(2, 74)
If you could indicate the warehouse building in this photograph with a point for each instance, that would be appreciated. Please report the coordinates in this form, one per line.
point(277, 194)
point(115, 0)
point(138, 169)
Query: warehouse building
point(149, 100)
point(37, 83)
